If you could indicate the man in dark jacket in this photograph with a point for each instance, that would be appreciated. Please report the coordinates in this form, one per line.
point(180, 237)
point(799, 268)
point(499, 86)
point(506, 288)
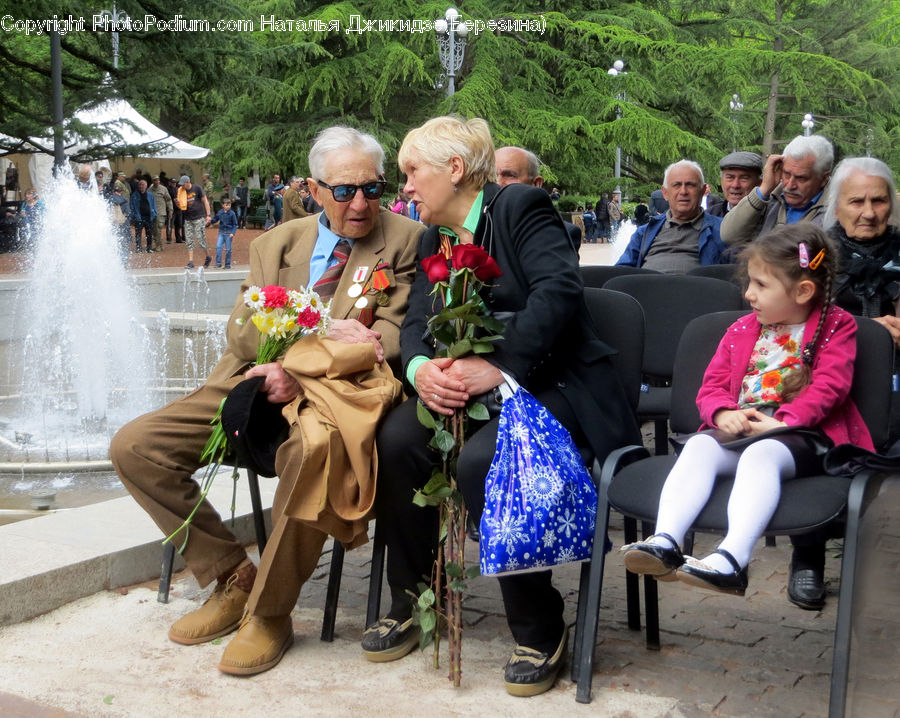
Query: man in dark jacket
point(685, 236)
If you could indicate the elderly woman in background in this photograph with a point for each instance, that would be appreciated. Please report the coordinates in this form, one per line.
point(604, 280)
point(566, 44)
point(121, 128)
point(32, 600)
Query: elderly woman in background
point(863, 216)
point(548, 346)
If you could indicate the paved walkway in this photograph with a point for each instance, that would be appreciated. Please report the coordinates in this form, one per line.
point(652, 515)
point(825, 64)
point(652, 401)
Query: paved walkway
point(108, 655)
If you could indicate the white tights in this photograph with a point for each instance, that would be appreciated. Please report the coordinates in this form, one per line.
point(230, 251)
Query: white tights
point(758, 473)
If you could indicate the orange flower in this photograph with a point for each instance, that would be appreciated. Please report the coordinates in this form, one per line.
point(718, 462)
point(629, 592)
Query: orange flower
point(771, 379)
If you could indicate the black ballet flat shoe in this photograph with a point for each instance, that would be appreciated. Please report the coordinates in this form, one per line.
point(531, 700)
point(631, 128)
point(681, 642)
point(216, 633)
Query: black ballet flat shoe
point(696, 573)
point(652, 560)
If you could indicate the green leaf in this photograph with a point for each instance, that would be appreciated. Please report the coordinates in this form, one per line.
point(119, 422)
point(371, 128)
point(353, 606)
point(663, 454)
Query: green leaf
point(453, 569)
point(426, 600)
point(473, 571)
point(108, 700)
point(458, 584)
point(492, 324)
point(478, 411)
point(420, 499)
point(461, 348)
point(437, 481)
point(427, 622)
point(424, 416)
point(442, 441)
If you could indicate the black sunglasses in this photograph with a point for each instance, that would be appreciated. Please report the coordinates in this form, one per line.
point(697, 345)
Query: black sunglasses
point(346, 192)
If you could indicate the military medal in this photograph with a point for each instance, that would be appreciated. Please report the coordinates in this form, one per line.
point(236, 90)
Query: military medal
point(358, 277)
point(361, 303)
point(381, 299)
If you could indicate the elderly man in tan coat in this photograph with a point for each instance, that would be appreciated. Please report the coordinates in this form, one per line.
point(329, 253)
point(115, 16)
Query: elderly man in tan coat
point(156, 455)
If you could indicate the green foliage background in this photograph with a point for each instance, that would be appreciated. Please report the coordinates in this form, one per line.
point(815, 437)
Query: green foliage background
point(258, 98)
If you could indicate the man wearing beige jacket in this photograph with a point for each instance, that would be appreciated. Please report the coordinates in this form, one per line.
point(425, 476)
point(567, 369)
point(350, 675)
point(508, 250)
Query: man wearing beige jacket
point(156, 454)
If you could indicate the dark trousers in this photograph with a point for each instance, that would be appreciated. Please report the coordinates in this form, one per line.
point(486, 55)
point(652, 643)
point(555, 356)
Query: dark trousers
point(178, 224)
point(241, 216)
point(145, 225)
point(534, 608)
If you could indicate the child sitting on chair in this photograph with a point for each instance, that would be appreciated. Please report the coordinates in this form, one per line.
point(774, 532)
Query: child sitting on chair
point(779, 377)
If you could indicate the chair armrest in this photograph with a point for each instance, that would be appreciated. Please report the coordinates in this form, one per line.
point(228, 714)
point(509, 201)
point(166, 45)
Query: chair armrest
point(614, 461)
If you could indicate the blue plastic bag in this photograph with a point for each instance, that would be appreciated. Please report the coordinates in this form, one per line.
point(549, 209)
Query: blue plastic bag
point(540, 503)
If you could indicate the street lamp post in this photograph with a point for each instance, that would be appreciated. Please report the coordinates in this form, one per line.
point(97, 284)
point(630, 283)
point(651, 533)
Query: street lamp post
point(616, 70)
point(807, 124)
point(114, 17)
point(736, 107)
point(451, 37)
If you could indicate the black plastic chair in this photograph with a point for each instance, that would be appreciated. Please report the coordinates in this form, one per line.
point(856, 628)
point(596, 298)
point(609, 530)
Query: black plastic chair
point(334, 574)
point(597, 275)
point(619, 320)
point(872, 528)
point(725, 272)
point(631, 482)
point(669, 303)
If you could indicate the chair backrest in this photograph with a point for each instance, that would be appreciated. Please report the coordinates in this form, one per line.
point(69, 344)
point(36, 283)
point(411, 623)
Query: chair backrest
point(872, 371)
point(597, 275)
point(670, 302)
point(726, 272)
point(619, 321)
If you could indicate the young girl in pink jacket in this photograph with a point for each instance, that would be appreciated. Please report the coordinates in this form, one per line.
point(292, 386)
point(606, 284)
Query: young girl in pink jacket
point(788, 364)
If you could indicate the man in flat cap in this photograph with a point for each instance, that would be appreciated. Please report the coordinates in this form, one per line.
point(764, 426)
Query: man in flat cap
point(792, 190)
point(740, 173)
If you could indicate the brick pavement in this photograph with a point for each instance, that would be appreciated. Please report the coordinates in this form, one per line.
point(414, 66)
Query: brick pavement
point(720, 655)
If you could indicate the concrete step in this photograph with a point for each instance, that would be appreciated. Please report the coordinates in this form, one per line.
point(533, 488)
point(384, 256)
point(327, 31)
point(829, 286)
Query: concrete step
point(49, 561)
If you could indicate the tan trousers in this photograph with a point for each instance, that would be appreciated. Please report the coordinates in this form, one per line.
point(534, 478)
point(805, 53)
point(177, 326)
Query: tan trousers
point(158, 225)
point(156, 455)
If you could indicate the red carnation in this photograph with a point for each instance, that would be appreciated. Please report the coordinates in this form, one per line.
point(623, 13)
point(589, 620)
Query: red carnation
point(308, 318)
point(435, 267)
point(276, 296)
point(482, 264)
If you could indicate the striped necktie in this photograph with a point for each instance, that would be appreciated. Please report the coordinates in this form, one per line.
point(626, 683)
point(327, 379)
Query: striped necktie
point(327, 284)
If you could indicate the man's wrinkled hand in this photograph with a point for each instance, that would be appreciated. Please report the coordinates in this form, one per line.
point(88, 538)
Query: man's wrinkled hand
point(279, 386)
point(350, 331)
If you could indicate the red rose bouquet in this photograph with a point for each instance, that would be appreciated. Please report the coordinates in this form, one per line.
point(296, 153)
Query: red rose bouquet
point(464, 326)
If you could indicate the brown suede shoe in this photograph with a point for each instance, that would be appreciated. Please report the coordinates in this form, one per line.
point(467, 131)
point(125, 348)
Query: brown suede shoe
point(220, 614)
point(258, 645)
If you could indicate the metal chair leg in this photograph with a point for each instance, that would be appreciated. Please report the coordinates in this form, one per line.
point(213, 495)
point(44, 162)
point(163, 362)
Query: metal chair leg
point(376, 575)
point(165, 575)
point(259, 520)
point(862, 490)
point(651, 599)
point(583, 671)
point(333, 591)
point(632, 585)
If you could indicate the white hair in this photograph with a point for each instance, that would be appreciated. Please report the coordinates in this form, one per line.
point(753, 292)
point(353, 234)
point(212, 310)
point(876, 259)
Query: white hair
point(868, 166)
point(682, 163)
point(337, 138)
point(803, 146)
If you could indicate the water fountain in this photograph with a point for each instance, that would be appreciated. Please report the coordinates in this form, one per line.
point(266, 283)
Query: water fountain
point(82, 359)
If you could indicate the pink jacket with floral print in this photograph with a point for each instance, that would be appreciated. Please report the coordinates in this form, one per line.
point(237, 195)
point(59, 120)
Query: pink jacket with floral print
point(825, 402)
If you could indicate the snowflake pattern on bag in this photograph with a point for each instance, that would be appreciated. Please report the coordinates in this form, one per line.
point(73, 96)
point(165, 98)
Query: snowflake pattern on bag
point(540, 502)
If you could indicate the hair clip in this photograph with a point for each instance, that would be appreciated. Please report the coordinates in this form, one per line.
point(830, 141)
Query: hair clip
point(804, 255)
point(817, 260)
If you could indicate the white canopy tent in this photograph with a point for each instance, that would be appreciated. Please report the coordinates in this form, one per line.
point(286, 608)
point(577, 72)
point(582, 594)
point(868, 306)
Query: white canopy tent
point(122, 126)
